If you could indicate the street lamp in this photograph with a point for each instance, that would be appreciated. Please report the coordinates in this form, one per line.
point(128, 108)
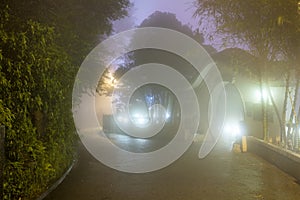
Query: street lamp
point(261, 95)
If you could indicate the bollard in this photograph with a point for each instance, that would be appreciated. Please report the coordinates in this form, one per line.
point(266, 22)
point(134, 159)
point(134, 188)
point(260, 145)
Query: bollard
point(2, 159)
point(244, 144)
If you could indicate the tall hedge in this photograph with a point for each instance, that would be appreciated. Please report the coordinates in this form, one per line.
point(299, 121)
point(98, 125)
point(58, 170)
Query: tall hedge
point(36, 80)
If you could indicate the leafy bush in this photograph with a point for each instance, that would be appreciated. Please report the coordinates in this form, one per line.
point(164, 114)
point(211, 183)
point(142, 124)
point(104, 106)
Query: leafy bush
point(36, 80)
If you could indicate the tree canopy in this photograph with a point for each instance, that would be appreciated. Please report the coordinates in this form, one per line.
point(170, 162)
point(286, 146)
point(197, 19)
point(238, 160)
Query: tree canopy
point(268, 28)
point(163, 20)
point(79, 25)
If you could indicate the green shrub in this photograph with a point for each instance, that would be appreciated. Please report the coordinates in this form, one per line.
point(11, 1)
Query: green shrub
point(36, 80)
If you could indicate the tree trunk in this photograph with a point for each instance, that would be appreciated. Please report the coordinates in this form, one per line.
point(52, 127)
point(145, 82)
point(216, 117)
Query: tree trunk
point(284, 110)
point(296, 134)
point(276, 109)
point(293, 117)
point(264, 112)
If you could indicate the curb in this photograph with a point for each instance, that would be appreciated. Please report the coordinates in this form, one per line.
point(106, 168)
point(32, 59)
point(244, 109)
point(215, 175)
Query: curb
point(284, 159)
point(281, 151)
point(58, 182)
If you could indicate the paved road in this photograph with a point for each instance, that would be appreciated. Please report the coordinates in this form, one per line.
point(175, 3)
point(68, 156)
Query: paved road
point(222, 175)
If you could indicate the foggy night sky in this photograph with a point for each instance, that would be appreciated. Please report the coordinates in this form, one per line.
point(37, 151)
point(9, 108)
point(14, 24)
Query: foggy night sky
point(183, 9)
point(143, 8)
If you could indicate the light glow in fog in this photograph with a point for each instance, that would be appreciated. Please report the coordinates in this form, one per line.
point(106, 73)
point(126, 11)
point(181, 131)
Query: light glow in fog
point(232, 129)
point(140, 119)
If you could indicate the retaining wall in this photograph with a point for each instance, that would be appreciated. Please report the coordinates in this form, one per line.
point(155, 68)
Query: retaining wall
point(285, 160)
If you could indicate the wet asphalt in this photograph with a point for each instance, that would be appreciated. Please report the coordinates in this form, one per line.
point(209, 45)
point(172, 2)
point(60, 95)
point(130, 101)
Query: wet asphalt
point(223, 174)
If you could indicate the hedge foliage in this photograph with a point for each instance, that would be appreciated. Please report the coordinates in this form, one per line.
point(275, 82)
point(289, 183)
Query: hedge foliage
point(36, 80)
point(42, 44)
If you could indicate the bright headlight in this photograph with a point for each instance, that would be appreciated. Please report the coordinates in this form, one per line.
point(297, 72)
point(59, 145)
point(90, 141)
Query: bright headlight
point(233, 129)
point(140, 119)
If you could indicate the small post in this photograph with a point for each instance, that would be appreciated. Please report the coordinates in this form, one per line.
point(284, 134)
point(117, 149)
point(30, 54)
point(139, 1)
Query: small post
point(2, 159)
point(244, 144)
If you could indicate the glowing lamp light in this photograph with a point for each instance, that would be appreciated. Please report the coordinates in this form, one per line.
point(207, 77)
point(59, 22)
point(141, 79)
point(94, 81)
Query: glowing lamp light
point(168, 115)
point(122, 119)
point(140, 119)
point(233, 129)
point(259, 95)
point(264, 95)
